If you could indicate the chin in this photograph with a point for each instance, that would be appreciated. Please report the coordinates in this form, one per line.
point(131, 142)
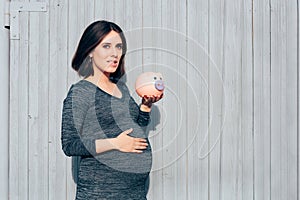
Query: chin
point(112, 70)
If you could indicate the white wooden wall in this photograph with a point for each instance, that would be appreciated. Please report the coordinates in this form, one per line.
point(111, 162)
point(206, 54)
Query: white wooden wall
point(4, 102)
point(228, 126)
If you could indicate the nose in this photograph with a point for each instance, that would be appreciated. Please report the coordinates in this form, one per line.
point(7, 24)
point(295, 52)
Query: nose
point(159, 85)
point(114, 52)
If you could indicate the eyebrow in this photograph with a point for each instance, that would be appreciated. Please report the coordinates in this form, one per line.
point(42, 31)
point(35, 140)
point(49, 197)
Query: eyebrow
point(110, 43)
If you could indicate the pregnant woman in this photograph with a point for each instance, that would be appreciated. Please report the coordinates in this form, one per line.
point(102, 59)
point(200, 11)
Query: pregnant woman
point(102, 123)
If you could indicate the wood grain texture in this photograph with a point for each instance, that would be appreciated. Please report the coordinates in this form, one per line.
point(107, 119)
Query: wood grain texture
point(262, 99)
point(227, 128)
point(197, 100)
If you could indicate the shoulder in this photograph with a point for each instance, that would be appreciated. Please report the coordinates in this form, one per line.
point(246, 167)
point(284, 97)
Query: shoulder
point(83, 87)
point(82, 91)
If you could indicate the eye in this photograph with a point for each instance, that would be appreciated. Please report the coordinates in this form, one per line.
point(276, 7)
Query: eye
point(155, 78)
point(106, 46)
point(160, 78)
point(119, 46)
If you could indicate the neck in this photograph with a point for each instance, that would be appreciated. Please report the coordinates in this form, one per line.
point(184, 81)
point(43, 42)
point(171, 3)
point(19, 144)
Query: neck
point(103, 77)
point(99, 77)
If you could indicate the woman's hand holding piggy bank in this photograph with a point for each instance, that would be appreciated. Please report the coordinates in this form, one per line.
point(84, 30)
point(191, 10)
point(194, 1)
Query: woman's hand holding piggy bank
point(150, 87)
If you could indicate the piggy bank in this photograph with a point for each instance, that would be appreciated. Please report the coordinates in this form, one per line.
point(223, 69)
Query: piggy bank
point(149, 84)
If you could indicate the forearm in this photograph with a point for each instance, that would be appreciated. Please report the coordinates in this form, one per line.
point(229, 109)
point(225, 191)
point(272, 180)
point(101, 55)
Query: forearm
point(78, 148)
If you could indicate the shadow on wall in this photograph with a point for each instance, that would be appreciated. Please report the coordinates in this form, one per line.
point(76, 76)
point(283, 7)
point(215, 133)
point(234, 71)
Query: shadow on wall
point(155, 120)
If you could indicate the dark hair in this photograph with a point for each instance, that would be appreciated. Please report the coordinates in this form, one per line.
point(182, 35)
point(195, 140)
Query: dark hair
point(90, 38)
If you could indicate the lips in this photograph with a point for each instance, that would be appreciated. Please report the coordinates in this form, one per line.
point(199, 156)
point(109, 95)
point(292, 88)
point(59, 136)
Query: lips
point(113, 63)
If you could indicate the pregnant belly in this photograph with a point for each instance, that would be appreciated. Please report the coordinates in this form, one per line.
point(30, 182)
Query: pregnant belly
point(127, 162)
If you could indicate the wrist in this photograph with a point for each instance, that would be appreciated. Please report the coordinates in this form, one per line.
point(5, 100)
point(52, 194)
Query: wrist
point(114, 143)
point(145, 108)
point(103, 145)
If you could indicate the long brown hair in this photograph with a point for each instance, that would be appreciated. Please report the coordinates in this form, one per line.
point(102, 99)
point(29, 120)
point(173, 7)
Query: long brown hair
point(90, 38)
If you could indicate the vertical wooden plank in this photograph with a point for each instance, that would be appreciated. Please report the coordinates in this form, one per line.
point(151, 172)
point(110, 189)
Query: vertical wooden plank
point(100, 9)
point(37, 111)
point(231, 145)
point(278, 76)
point(217, 95)
point(23, 134)
point(18, 188)
point(43, 112)
point(183, 142)
point(197, 99)
point(290, 153)
point(108, 8)
point(57, 87)
point(283, 91)
point(298, 99)
point(4, 106)
point(14, 162)
point(246, 130)
point(120, 12)
point(262, 99)
point(89, 14)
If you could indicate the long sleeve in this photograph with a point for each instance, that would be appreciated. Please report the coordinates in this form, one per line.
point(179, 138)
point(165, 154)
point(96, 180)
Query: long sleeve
point(140, 117)
point(75, 107)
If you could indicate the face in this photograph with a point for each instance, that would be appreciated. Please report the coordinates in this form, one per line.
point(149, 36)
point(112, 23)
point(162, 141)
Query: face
point(106, 56)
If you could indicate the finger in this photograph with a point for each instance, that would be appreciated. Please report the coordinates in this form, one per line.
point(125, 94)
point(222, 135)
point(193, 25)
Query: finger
point(128, 131)
point(141, 148)
point(161, 96)
point(142, 145)
point(155, 99)
point(137, 151)
point(140, 140)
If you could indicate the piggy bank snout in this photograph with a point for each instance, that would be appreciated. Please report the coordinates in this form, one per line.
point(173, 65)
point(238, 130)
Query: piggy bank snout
point(159, 85)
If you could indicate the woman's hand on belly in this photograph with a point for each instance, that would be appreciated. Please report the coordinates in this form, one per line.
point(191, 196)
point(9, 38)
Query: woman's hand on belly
point(126, 143)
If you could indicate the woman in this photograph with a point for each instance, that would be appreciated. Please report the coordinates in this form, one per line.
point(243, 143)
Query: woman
point(101, 122)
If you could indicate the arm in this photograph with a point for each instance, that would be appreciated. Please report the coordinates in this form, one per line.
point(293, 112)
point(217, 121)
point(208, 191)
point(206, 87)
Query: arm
point(74, 111)
point(142, 116)
point(138, 114)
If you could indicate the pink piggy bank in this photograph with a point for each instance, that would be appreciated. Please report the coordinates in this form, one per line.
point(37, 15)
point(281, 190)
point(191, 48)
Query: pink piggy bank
point(149, 84)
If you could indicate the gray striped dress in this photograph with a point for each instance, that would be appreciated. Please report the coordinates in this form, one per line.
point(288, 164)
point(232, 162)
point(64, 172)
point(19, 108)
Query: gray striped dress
point(90, 113)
